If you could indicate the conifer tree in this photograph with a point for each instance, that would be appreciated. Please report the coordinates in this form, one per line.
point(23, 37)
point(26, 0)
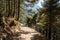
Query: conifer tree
point(50, 6)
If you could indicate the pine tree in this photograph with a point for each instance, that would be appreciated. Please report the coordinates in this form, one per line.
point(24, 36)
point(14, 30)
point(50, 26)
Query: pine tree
point(50, 6)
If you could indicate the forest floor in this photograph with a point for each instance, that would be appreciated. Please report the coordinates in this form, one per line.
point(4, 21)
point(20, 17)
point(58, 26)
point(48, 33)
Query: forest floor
point(30, 34)
point(14, 30)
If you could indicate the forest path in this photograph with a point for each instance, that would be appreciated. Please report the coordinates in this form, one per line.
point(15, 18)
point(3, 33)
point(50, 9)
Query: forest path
point(30, 34)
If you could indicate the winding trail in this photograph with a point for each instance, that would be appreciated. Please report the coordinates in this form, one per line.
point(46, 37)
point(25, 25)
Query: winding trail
point(30, 34)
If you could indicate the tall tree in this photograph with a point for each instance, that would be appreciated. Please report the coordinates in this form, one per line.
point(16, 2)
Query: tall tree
point(50, 7)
